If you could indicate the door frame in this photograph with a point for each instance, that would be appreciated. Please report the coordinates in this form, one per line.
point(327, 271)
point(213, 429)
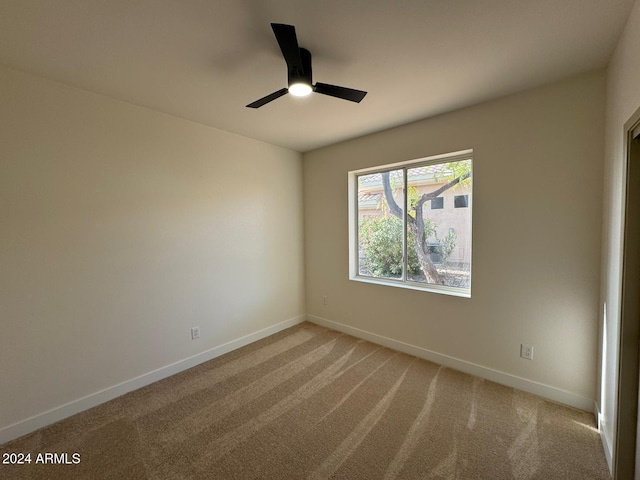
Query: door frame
point(624, 461)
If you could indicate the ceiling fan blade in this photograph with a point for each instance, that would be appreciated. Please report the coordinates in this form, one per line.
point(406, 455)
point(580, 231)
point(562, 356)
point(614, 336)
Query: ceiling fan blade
point(269, 98)
point(286, 37)
point(339, 92)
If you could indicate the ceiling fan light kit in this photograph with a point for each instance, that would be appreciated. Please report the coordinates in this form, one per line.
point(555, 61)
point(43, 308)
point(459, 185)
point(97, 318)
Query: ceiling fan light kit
point(300, 89)
point(299, 71)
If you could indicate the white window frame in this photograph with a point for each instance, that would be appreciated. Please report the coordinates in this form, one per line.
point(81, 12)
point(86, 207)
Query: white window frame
point(353, 225)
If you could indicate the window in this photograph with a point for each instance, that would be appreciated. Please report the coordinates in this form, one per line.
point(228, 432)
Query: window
point(461, 201)
point(429, 246)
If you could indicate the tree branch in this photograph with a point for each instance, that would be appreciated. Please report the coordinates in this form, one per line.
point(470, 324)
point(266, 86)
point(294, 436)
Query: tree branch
point(397, 211)
point(388, 195)
point(417, 224)
point(430, 196)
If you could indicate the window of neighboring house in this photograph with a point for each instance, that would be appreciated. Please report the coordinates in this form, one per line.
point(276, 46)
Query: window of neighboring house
point(429, 246)
point(461, 201)
point(437, 203)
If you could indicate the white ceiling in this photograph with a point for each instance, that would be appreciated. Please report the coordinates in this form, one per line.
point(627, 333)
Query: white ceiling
point(204, 60)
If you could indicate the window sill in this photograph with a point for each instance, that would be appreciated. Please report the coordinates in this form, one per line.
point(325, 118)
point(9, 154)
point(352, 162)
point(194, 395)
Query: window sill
point(440, 289)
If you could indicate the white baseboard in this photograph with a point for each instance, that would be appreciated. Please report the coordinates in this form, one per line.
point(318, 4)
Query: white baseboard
point(61, 412)
point(605, 437)
point(545, 391)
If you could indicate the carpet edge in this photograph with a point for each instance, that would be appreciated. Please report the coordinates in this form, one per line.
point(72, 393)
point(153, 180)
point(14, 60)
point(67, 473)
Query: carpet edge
point(546, 391)
point(28, 425)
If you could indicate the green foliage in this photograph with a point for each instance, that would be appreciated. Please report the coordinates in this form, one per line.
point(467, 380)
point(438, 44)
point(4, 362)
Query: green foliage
point(456, 170)
point(445, 246)
point(448, 244)
point(412, 198)
point(381, 242)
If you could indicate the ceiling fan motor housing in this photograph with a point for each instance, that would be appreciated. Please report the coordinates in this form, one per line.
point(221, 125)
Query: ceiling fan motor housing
point(295, 76)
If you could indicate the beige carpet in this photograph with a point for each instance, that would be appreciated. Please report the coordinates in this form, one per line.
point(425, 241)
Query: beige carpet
point(314, 403)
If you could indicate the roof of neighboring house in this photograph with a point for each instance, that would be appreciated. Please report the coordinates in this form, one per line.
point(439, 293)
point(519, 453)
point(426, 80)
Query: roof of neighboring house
point(369, 199)
point(423, 173)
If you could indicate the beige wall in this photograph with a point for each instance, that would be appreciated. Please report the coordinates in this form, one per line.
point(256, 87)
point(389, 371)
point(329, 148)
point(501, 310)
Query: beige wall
point(536, 235)
point(121, 228)
point(623, 99)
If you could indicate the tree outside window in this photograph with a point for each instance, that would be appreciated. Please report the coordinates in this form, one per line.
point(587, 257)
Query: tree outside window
point(428, 246)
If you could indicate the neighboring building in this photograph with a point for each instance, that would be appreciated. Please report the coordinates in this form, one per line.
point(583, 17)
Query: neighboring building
point(449, 211)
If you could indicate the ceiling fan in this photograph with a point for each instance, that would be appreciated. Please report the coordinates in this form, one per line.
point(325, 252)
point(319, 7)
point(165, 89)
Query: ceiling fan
point(299, 71)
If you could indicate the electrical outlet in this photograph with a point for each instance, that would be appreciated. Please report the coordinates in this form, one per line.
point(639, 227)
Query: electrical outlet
point(195, 333)
point(324, 300)
point(526, 351)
